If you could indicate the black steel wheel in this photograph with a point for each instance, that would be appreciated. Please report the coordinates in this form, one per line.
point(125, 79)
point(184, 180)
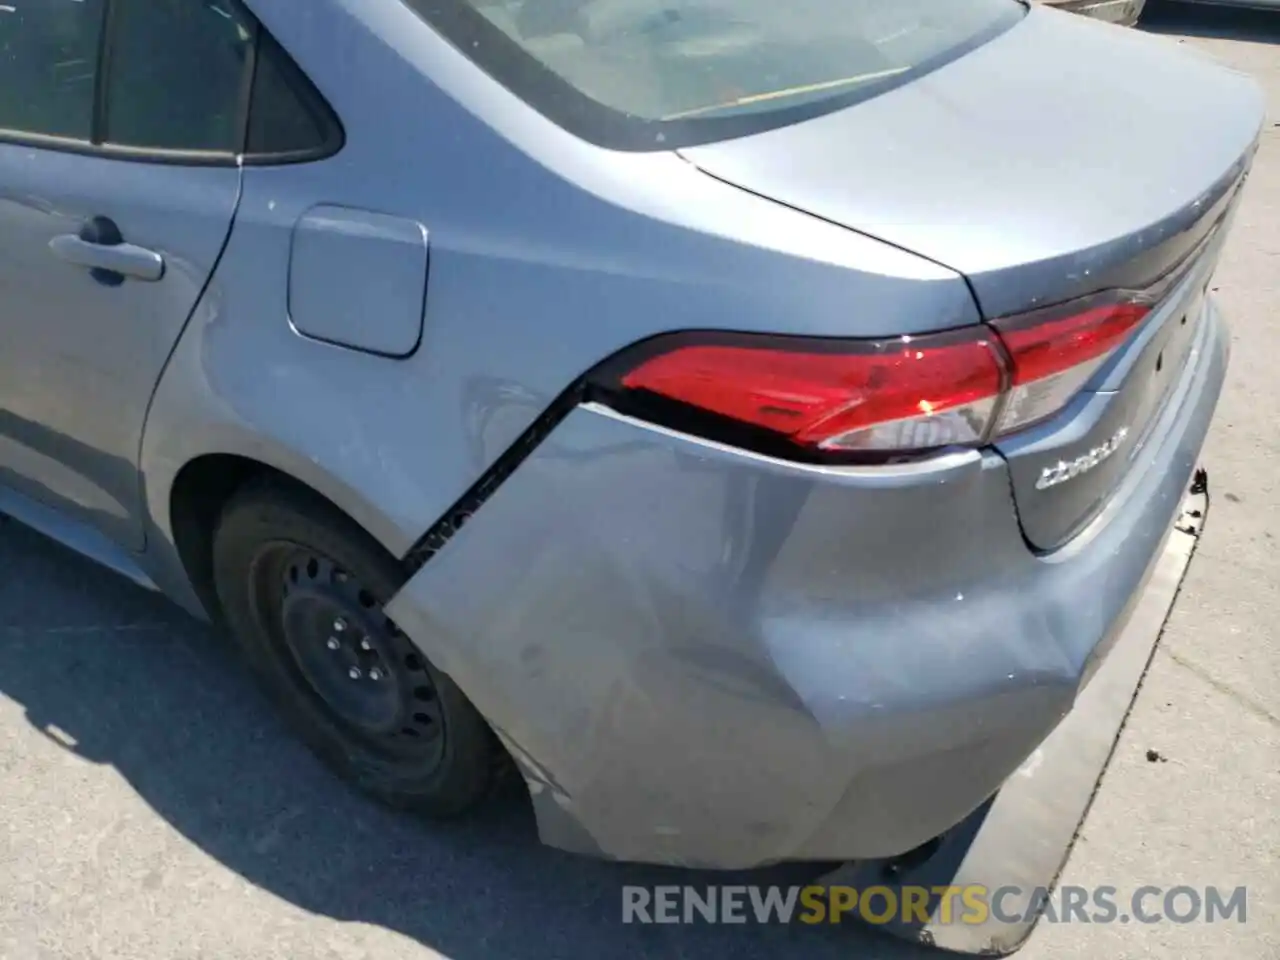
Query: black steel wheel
point(356, 661)
point(303, 589)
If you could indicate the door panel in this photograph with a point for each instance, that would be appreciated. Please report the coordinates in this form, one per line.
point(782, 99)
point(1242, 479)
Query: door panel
point(104, 253)
point(80, 353)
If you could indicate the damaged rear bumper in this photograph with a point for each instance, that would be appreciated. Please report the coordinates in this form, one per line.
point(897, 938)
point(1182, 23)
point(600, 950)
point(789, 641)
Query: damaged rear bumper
point(708, 658)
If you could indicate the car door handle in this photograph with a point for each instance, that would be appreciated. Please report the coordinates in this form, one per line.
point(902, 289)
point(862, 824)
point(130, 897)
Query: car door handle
point(124, 259)
point(100, 248)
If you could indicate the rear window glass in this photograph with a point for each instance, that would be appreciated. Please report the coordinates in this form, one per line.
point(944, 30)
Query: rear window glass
point(655, 74)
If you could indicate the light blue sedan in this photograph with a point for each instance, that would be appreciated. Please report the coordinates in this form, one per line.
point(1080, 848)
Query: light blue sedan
point(752, 421)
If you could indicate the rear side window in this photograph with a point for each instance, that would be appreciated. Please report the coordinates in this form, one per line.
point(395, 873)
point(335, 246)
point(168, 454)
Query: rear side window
point(48, 62)
point(663, 73)
point(288, 119)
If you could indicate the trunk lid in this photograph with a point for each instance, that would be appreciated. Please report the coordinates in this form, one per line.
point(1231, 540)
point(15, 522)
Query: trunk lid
point(1063, 158)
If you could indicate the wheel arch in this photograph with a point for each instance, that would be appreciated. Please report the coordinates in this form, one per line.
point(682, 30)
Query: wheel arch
point(186, 506)
point(200, 491)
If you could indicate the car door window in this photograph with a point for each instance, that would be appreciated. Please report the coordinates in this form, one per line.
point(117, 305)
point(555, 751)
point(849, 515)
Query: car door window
point(48, 61)
point(185, 77)
point(177, 76)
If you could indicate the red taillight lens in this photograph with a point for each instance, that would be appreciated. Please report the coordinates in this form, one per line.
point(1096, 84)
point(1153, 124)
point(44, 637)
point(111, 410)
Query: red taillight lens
point(1055, 352)
point(903, 395)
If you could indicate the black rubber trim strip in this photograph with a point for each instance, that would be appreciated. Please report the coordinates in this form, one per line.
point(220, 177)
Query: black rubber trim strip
point(444, 529)
point(102, 73)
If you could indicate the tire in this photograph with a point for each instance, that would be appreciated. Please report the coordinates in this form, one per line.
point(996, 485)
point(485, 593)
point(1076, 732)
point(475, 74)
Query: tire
point(290, 569)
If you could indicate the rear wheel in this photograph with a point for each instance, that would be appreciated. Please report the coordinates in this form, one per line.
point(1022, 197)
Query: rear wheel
point(302, 588)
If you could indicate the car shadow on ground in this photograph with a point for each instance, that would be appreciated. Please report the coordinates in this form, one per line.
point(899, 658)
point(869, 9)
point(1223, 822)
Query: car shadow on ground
point(1211, 22)
point(122, 678)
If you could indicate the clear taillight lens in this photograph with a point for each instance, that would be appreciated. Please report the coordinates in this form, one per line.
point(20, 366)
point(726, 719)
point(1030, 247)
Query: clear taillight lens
point(892, 396)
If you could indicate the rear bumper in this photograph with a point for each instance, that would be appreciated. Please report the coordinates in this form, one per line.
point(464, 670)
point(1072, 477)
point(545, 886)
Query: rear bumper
point(707, 658)
point(1124, 12)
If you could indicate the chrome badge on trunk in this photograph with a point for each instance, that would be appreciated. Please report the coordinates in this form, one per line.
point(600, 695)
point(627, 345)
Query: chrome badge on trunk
point(1065, 470)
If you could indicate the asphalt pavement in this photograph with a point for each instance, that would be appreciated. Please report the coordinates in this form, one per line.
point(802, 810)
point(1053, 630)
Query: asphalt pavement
point(151, 806)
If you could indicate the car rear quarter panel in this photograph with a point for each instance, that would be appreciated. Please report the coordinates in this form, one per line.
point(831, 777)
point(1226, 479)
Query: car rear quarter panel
point(711, 659)
point(545, 256)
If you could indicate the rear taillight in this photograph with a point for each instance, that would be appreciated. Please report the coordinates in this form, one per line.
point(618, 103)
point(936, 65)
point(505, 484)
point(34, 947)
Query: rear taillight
point(1053, 353)
point(885, 397)
point(903, 394)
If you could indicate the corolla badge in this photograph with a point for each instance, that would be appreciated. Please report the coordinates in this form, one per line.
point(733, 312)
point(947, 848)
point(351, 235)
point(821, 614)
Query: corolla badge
point(1065, 470)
